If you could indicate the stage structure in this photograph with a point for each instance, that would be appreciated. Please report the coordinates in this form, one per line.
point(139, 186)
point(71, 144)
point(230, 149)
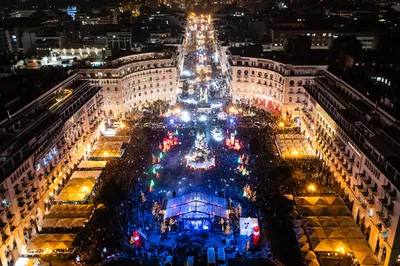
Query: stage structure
point(197, 211)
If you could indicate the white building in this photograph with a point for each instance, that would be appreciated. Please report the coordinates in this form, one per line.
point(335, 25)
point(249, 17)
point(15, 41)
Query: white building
point(131, 82)
point(359, 142)
point(271, 84)
point(39, 146)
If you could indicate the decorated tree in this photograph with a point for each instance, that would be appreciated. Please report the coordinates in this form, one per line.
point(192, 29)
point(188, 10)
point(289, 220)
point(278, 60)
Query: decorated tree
point(143, 197)
point(163, 228)
point(155, 209)
point(239, 210)
point(200, 156)
point(227, 230)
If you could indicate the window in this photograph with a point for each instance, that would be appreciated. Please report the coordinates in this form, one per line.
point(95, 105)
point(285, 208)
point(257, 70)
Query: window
point(54, 150)
point(290, 99)
point(116, 88)
point(37, 167)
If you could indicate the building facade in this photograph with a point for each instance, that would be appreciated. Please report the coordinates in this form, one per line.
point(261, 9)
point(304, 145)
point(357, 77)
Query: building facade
point(270, 84)
point(131, 82)
point(319, 38)
point(40, 144)
point(359, 143)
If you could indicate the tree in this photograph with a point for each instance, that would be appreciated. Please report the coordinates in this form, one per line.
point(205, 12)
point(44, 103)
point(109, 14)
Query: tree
point(155, 209)
point(227, 230)
point(163, 228)
point(239, 210)
point(143, 197)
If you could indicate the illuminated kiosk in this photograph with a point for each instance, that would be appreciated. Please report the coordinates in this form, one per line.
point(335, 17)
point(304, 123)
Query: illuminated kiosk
point(197, 211)
point(200, 157)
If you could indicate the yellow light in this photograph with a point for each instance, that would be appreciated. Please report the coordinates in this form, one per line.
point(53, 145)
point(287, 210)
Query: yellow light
point(105, 153)
point(281, 124)
point(232, 109)
point(295, 153)
point(122, 125)
point(340, 250)
point(177, 110)
point(312, 188)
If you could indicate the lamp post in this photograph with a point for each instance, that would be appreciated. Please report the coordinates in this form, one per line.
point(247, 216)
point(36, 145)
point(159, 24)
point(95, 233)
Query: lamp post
point(47, 253)
point(311, 188)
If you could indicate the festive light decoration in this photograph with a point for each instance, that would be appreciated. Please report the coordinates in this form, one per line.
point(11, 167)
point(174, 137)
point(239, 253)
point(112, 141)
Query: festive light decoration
point(151, 186)
point(200, 157)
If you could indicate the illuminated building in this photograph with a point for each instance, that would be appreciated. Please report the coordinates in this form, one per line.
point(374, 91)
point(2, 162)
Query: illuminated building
point(271, 84)
point(359, 142)
point(39, 146)
point(133, 81)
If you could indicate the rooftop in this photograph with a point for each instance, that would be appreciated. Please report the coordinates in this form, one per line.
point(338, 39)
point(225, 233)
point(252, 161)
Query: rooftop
point(314, 57)
point(26, 85)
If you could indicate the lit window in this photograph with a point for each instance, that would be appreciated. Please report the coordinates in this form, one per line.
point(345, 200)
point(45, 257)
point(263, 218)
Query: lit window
point(37, 167)
point(323, 34)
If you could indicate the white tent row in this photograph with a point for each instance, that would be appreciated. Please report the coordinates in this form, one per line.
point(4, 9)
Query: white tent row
point(297, 146)
point(86, 174)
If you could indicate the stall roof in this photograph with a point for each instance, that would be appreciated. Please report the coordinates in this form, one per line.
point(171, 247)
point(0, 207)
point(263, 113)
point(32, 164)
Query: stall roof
point(76, 190)
point(328, 224)
point(294, 145)
point(86, 174)
point(92, 164)
point(196, 205)
point(51, 241)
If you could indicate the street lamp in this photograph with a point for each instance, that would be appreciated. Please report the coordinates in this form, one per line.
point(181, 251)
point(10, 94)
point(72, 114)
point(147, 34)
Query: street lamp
point(85, 190)
point(312, 188)
point(47, 253)
point(340, 250)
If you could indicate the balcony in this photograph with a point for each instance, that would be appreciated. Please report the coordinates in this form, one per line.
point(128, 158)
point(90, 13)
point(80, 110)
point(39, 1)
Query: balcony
point(392, 195)
point(373, 188)
point(371, 202)
point(387, 188)
point(384, 218)
point(349, 171)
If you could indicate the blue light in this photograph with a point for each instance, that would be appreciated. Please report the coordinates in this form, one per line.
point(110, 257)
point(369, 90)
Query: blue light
point(231, 121)
point(171, 121)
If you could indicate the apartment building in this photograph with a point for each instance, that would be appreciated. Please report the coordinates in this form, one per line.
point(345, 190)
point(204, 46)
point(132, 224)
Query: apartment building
point(39, 145)
point(271, 84)
point(131, 82)
point(359, 142)
point(320, 38)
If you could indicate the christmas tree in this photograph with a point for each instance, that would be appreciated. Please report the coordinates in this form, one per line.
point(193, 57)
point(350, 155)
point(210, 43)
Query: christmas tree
point(200, 156)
